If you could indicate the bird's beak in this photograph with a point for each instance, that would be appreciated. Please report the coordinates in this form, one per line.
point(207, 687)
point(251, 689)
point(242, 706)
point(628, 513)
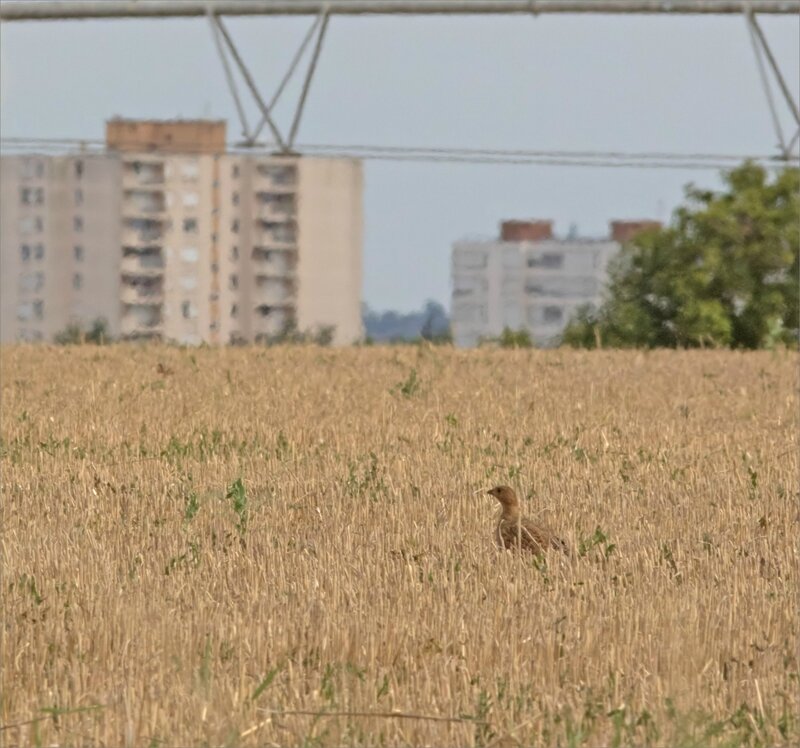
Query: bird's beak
point(479, 491)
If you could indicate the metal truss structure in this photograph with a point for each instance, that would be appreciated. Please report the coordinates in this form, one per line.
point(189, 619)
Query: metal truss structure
point(321, 10)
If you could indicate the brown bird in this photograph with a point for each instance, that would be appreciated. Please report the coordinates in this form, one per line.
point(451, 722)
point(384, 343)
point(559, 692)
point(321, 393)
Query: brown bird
point(514, 531)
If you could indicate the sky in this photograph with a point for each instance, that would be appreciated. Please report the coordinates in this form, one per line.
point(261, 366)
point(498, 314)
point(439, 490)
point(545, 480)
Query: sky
point(604, 83)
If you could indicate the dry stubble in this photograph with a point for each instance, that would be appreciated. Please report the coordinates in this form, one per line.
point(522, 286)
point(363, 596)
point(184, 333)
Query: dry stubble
point(355, 572)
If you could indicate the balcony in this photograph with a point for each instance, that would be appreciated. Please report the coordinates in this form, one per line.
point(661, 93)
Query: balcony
point(273, 292)
point(141, 320)
point(273, 263)
point(149, 265)
point(142, 294)
point(277, 208)
point(270, 321)
point(271, 235)
point(142, 232)
point(140, 173)
point(276, 177)
point(148, 206)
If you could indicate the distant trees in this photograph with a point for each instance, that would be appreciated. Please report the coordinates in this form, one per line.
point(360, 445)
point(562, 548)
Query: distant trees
point(430, 323)
point(74, 334)
point(724, 273)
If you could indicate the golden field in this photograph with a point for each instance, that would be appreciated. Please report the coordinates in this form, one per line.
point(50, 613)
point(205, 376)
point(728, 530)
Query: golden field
point(199, 544)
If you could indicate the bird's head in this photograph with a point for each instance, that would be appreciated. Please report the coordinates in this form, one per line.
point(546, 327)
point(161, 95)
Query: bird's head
point(505, 495)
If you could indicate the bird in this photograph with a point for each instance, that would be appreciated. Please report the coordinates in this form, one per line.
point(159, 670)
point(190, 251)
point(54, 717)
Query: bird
point(517, 533)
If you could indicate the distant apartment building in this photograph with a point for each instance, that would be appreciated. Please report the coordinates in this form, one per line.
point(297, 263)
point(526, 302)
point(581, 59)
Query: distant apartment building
point(167, 236)
point(529, 280)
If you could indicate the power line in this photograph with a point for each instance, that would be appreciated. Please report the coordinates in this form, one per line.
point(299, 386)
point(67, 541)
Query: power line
point(478, 156)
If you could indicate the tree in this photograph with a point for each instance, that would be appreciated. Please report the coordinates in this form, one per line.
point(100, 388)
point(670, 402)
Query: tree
point(724, 273)
point(74, 334)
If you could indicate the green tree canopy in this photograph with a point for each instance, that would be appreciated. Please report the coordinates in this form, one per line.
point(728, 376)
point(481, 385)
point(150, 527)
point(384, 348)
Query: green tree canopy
point(724, 273)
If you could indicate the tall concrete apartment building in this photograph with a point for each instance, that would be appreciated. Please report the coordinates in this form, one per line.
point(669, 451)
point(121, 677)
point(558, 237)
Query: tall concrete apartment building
point(167, 236)
point(529, 280)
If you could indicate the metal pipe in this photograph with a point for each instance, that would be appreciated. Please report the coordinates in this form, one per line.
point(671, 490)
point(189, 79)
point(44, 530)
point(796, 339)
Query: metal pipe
point(42, 10)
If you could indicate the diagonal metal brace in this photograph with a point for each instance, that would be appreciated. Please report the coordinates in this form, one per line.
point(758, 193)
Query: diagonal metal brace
point(309, 75)
point(248, 79)
point(229, 75)
point(754, 24)
point(287, 77)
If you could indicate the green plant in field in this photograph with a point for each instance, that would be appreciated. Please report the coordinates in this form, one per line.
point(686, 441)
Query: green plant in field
point(237, 495)
point(327, 688)
point(409, 386)
point(192, 506)
point(483, 729)
point(515, 338)
point(204, 670)
point(265, 683)
point(190, 557)
point(598, 540)
point(366, 477)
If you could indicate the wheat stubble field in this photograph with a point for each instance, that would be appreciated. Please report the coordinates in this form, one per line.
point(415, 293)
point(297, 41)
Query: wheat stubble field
point(199, 544)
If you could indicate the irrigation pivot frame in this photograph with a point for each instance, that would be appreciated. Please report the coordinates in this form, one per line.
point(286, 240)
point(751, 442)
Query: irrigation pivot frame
point(322, 10)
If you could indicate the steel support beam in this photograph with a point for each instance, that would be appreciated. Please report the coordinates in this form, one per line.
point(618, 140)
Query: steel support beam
point(756, 27)
point(290, 71)
point(229, 75)
point(248, 79)
point(307, 83)
point(42, 10)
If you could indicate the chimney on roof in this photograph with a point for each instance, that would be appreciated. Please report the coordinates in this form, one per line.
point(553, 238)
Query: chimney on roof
point(526, 231)
point(624, 231)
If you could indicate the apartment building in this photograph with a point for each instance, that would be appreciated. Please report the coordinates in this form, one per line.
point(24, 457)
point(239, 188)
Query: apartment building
point(59, 244)
point(529, 279)
point(167, 236)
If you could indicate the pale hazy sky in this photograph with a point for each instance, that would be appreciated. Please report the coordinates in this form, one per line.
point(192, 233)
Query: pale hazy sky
point(659, 83)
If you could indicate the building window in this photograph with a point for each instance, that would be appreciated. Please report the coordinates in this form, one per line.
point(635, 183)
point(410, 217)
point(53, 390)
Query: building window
point(77, 251)
point(188, 310)
point(77, 281)
point(38, 252)
point(25, 252)
point(190, 199)
point(31, 168)
point(79, 197)
point(77, 223)
point(235, 198)
point(235, 171)
point(189, 169)
point(24, 312)
point(189, 254)
point(234, 253)
point(188, 282)
point(78, 169)
point(31, 225)
point(234, 282)
point(235, 225)
point(38, 309)
point(549, 260)
point(553, 314)
point(31, 195)
point(190, 225)
point(31, 282)
point(234, 311)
